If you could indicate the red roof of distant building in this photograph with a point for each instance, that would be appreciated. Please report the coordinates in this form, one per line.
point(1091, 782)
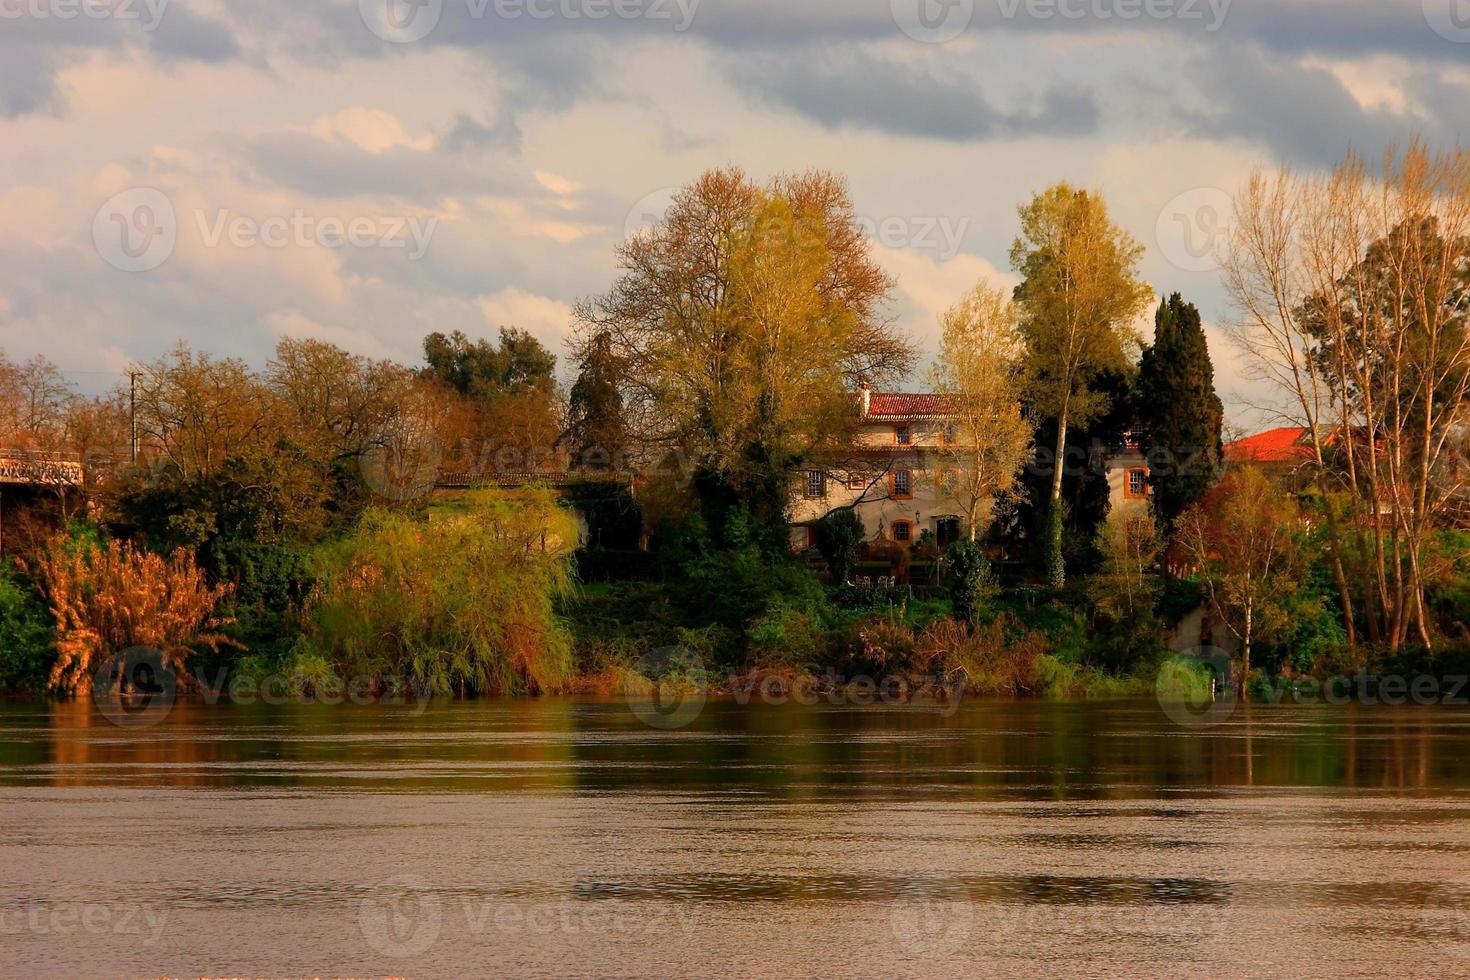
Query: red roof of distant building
point(888, 405)
point(1285, 445)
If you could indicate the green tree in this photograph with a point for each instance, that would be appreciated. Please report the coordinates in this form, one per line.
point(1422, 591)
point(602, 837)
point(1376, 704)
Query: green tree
point(1248, 543)
point(482, 371)
point(745, 319)
point(597, 433)
point(979, 373)
point(1079, 296)
point(1180, 417)
point(839, 536)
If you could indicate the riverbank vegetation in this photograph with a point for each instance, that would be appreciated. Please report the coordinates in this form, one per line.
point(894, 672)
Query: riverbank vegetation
point(467, 527)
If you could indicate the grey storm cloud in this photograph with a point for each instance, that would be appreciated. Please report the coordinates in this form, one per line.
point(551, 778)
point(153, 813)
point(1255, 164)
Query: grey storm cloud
point(851, 88)
point(1304, 114)
point(308, 164)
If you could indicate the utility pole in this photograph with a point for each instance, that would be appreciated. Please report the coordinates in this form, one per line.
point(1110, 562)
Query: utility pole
point(133, 411)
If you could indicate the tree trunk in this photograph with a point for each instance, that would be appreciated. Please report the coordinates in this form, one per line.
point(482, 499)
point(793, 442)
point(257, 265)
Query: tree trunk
point(1056, 567)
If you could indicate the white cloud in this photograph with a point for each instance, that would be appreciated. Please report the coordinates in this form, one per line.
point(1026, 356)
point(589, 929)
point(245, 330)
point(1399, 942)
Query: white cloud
point(372, 130)
point(546, 319)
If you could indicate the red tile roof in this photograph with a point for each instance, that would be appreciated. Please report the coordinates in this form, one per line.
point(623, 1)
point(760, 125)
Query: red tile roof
point(901, 405)
point(1285, 445)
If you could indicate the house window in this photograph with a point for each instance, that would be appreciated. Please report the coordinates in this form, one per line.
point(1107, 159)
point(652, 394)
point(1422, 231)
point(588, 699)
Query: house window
point(857, 481)
point(903, 436)
point(1137, 486)
point(816, 484)
point(951, 434)
point(903, 532)
point(903, 484)
point(949, 481)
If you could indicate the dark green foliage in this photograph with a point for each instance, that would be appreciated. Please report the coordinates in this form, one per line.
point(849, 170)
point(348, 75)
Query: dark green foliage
point(839, 535)
point(1086, 500)
point(614, 517)
point(971, 583)
point(597, 436)
point(482, 371)
point(27, 634)
point(595, 565)
point(1180, 417)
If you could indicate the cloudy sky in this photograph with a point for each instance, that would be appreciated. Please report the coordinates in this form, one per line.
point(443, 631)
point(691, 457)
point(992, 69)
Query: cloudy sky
point(366, 171)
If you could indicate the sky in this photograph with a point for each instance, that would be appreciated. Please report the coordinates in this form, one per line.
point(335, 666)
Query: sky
point(368, 171)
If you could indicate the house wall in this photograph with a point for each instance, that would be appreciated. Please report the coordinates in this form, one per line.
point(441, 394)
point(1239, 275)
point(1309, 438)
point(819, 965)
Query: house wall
point(876, 450)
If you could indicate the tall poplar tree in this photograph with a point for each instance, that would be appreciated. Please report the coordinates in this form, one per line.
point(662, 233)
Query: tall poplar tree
point(1078, 299)
point(1180, 417)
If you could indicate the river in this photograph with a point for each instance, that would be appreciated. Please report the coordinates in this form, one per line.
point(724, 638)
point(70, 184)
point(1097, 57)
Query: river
point(569, 838)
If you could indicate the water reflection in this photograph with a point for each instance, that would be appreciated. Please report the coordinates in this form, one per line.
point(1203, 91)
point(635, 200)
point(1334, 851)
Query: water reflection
point(567, 838)
point(988, 750)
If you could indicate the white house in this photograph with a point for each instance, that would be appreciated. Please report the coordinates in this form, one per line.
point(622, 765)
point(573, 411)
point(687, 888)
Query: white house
point(893, 477)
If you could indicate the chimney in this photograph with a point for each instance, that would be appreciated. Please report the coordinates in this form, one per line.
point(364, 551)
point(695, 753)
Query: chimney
point(865, 393)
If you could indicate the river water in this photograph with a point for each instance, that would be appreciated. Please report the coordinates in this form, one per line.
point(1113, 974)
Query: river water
point(569, 838)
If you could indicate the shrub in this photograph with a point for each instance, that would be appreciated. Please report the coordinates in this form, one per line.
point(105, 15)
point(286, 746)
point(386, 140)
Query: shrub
point(27, 634)
point(465, 600)
point(110, 598)
point(971, 585)
point(999, 657)
point(839, 536)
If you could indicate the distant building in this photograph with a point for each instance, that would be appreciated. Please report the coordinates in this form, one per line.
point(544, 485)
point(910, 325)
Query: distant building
point(1288, 446)
point(893, 479)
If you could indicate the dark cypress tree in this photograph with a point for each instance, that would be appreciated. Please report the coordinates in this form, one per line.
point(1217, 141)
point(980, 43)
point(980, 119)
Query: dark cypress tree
point(1180, 416)
point(598, 434)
